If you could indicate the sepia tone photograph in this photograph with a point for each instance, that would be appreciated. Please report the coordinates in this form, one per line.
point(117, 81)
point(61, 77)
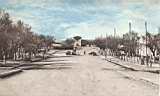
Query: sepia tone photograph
point(79, 47)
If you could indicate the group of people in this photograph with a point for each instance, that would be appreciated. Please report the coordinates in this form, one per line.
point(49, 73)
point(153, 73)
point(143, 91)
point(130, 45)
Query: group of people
point(149, 60)
point(144, 60)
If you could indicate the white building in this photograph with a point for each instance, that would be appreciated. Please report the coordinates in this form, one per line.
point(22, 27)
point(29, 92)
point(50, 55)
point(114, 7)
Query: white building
point(142, 49)
point(77, 42)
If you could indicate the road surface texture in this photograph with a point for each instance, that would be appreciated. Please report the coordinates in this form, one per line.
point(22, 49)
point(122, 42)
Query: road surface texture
point(76, 76)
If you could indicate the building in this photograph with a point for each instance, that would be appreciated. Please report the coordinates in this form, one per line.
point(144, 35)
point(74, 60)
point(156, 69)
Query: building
point(56, 45)
point(77, 42)
point(142, 49)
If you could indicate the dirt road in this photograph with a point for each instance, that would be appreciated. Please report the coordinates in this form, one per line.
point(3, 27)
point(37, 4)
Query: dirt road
point(85, 76)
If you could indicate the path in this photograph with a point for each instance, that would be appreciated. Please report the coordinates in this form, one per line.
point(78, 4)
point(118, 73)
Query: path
point(86, 76)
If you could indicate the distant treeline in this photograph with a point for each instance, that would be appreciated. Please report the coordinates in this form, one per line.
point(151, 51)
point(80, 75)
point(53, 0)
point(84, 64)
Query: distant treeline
point(129, 43)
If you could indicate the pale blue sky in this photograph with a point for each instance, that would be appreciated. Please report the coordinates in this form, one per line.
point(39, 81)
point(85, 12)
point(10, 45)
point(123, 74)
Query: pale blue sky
point(87, 18)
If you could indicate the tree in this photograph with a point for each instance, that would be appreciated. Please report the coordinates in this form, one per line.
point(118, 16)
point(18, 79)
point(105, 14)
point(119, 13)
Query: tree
point(17, 39)
point(158, 42)
point(68, 43)
point(5, 27)
point(109, 42)
point(130, 41)
point(100, 42)
point(86, 42)
point(153, 42)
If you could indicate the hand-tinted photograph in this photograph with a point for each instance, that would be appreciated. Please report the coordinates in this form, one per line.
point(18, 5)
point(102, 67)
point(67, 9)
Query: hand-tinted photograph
point(79, 47)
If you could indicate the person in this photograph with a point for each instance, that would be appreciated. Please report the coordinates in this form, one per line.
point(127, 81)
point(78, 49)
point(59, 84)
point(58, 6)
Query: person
point(151, 61)
point(84, 52)
point(147, 60)
point(142, 60)
point(105, 54)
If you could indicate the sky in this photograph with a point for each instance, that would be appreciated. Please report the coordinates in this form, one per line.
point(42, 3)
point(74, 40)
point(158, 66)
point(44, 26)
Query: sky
point(86, 18)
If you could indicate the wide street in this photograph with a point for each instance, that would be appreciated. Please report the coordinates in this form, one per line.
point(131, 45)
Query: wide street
point(76, 76)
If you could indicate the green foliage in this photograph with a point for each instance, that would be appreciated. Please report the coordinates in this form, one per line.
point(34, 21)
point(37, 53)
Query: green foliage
point(19, 38)
point(68, 43)
point(86, 42)
point(130, 41)
point(153, 42)
point(108, 42)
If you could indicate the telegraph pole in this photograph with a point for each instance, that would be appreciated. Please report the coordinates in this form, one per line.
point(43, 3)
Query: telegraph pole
point(130, 30)
point(115, 41)
point(106, 48)
point(146, 36)
point(114, 33)
point(130, 27)
point(146, 44)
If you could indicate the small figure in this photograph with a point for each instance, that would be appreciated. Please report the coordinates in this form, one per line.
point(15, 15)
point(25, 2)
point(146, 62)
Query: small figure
point(147, 60)
point(151, 61)
point(84, 52)
point(142, 60)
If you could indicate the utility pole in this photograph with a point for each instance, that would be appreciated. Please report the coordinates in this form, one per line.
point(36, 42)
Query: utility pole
point(146, 36)
point(146, 43)
point(130, 30)
point(114, 33)
point(130, 27)
point(106, 48)
point(115, 41)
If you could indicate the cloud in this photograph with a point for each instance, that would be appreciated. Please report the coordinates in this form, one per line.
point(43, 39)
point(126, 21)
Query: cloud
point(88, 18)
point(89, 30)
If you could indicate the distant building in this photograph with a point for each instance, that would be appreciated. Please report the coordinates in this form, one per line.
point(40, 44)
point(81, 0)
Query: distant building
point(77, 42)
point(56, 45)
point(142, 49)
